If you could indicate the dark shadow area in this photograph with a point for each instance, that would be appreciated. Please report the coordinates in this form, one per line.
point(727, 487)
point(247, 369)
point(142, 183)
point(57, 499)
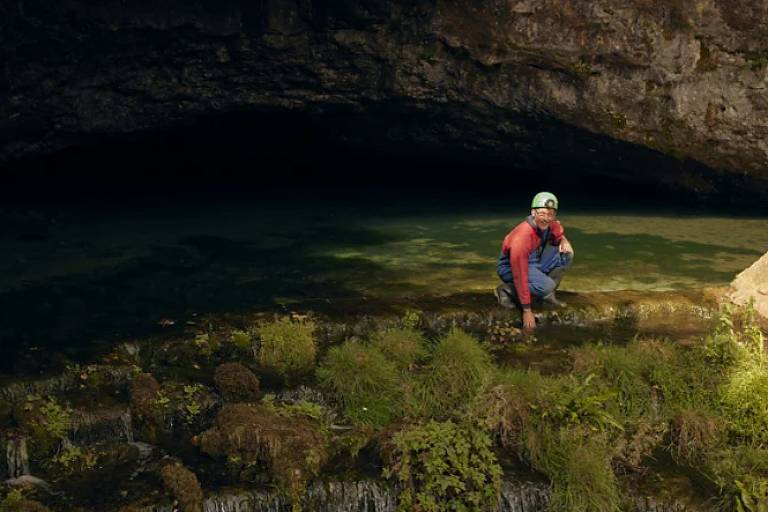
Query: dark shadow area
point(392, 151)
point(201, 274)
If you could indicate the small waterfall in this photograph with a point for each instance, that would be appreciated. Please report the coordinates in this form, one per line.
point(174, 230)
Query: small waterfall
point(69, 380)
point(127, 423)
point(17, 456)
point(377, 496)
point(363, 496)
point(523, 497)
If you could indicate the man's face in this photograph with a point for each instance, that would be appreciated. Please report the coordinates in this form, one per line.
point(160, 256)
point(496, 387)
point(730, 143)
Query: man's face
point(543, 217)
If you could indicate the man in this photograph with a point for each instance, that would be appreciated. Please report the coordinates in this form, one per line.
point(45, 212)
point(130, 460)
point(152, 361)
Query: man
point(533, 257)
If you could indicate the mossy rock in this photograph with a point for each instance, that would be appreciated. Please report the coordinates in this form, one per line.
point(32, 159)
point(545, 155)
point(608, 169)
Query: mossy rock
point(236, 383)
point(183, 485)
point(291, 448)
point(144, 394)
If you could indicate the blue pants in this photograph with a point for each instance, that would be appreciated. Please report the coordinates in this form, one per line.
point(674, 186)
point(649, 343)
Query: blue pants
point(539, 269)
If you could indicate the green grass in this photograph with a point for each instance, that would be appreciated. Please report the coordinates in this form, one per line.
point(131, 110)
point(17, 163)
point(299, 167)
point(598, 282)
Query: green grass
point(364, 381)
point(457, 372)
point(403, 346)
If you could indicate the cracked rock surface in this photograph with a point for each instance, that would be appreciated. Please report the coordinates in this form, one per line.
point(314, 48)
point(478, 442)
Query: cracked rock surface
point(673, 91)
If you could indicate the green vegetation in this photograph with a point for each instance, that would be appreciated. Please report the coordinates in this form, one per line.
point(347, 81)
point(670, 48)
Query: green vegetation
point(459, 368)
point(706, 405)
point(72, 458)
point(403, 346)
point(15, 501)
point(46, 421)
point(444, 466)
point(287, 346)
point(242, 340)
point(757, 59)
point(364, 381)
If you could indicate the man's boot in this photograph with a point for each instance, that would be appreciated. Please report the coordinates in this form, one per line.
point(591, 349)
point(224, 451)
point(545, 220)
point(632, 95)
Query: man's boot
point(504, 294)
point(557, 275)
point(551, 299)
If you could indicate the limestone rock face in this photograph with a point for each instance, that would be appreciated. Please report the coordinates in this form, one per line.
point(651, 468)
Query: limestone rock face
point(684, 78)
point(752, 283)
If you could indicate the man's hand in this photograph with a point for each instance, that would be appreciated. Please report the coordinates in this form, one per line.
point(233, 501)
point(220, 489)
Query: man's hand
point(565, 246)
point(529, 321)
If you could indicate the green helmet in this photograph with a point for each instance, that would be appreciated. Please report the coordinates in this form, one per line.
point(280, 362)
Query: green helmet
point(544, 200)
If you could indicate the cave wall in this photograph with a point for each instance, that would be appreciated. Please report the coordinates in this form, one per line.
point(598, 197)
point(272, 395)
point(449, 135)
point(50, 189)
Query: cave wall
point(683, 80)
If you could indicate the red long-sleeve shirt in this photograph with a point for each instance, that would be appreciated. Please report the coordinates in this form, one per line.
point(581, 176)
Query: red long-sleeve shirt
point(519, 243)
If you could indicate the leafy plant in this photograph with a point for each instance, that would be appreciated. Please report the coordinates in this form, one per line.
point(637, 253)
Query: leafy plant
point(444, 466)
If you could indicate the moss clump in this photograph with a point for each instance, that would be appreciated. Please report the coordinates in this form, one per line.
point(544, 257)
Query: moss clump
point(145, 391)
point(243, 340)
point(287, 346)
point(459, 368)
point(184, 486)
point(236, 383)
point(291, 448)
point(403, 346)
point(364, 381)
point(443, 466)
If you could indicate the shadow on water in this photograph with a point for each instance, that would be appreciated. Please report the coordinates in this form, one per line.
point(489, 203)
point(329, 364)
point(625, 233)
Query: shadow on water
point(195, 274)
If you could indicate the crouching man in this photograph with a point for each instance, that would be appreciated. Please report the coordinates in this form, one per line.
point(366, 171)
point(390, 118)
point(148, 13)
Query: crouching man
point(534, 256)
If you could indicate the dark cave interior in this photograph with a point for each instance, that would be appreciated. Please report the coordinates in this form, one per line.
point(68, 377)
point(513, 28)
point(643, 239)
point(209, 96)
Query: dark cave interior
point(384, 154)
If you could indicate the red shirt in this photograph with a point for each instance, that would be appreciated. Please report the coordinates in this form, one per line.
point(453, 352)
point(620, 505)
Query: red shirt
point(519, 243)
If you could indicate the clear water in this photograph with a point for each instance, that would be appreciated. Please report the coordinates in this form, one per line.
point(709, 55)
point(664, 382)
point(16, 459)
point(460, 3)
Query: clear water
point(75, 277)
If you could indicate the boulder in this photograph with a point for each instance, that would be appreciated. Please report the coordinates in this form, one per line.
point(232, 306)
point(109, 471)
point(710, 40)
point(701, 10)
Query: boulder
point(752, 283)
